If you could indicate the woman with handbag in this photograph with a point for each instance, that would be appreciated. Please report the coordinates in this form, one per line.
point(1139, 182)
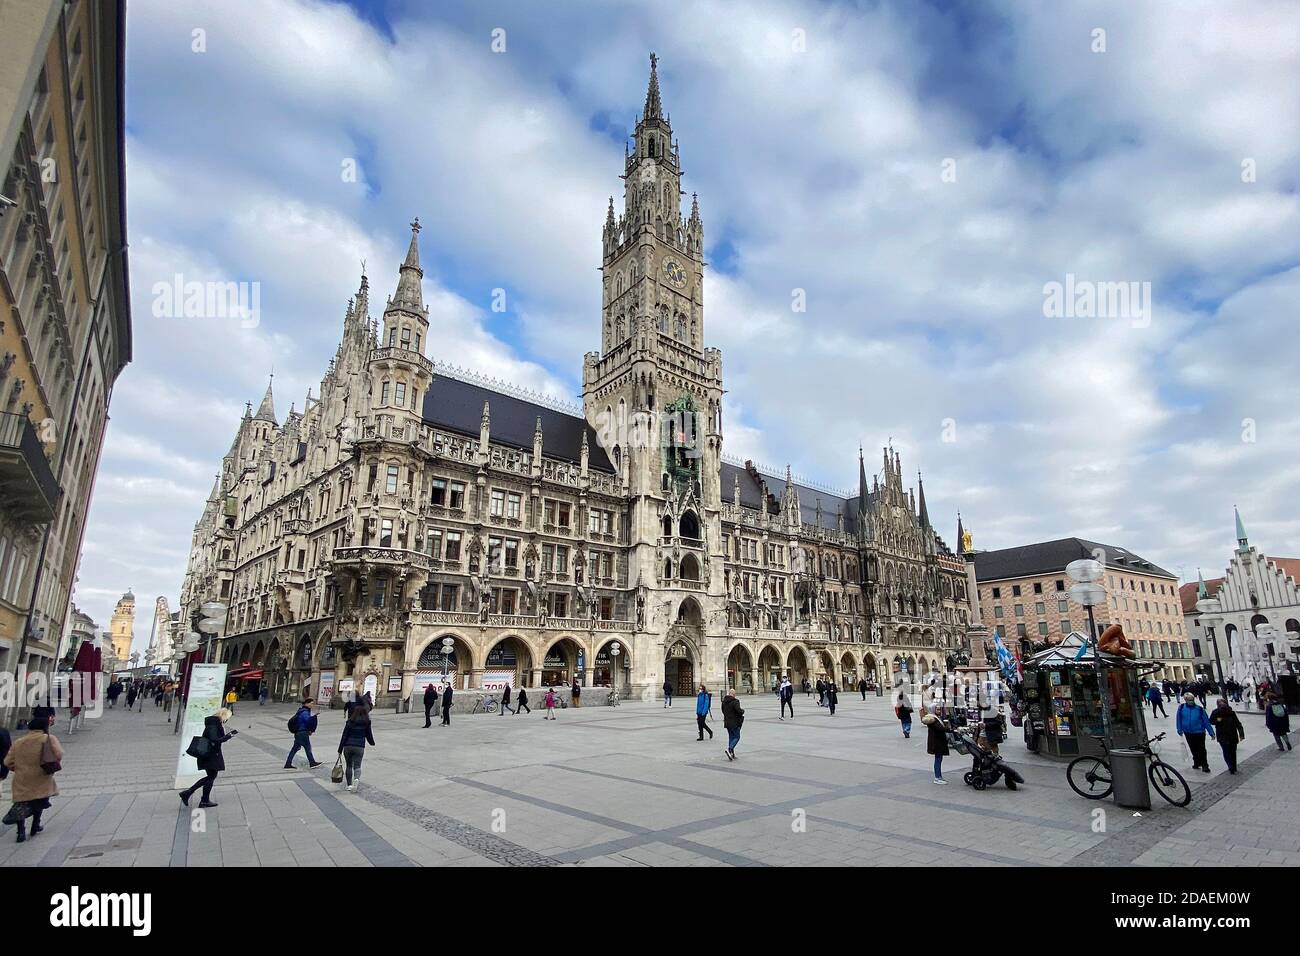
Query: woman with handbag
point(352, 748)
point(34, 759)
point(210, 760)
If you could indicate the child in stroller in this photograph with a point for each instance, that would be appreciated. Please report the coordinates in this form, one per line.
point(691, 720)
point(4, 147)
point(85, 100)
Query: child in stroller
point(986, 767)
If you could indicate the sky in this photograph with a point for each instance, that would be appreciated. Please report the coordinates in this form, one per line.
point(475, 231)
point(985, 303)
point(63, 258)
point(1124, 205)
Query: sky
point(921, 176)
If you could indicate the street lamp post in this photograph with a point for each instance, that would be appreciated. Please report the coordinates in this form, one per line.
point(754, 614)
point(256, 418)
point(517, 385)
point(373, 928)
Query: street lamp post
point(1209, 609)
point(615, 649)
point(1086, 591)
point(188, 647)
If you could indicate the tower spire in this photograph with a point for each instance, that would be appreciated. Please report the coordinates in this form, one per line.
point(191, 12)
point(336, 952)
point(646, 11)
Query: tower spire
point(925, 515)
point(409, 295)
point(266, 411)
point(1243, 544)
point(653, 106)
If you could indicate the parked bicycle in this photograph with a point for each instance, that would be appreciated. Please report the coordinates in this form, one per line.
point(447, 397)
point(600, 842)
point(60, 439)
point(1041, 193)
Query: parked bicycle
point(1090, 777)
point(612, 700)
point(485, 703)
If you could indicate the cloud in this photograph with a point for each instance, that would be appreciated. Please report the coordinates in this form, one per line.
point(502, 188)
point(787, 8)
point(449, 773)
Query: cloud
point(818, 137)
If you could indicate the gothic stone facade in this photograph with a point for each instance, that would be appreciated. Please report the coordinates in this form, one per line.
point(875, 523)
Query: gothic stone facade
point(413, 522)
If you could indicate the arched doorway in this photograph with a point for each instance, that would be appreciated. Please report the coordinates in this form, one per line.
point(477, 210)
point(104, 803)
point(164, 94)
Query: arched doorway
point(848, 672)
point(869, 668)
point(770, 668)
point(679, 669)
point(509, 661)
point(796, 665)
point(300, 668)
point(826, 666)
point(611, 669)
point(438, 665)
point(740, 670)
point(562, 662)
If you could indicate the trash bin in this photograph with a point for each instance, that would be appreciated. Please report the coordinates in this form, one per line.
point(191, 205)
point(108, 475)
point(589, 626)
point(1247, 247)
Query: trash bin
point(1128, 774)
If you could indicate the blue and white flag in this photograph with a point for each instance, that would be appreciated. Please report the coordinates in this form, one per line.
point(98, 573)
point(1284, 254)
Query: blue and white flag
point(1006, 663)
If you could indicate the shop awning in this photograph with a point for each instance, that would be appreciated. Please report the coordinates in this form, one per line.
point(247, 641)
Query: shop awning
point(247, 673)
point(1076, 649)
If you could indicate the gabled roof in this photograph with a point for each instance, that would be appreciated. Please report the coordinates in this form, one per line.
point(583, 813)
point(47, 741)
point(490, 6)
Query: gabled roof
point(1289, 566)
point(458, 406)
point(751, 496)
point(1052, 556)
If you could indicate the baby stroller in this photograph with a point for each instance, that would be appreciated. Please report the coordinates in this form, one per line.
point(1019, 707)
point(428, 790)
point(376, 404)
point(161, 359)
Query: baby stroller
point(986, 767)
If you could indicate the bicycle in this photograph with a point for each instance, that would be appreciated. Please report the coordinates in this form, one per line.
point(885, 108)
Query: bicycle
point(1090, 777)
point(485, 703)
point(612, 700)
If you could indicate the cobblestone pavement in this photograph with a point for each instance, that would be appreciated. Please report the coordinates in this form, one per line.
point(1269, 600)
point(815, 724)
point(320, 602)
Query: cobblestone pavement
point(631, 786)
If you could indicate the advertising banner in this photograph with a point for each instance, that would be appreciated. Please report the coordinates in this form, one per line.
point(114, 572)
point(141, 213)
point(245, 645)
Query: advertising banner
point(207, 685)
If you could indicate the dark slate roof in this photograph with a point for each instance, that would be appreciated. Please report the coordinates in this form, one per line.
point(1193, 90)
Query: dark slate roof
point(751, 495)
point(1050, 556)
point(458, 406)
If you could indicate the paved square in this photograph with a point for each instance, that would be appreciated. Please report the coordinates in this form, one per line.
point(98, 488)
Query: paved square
point(631, 786)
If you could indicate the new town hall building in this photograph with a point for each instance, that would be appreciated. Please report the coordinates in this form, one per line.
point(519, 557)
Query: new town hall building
point(413, 521)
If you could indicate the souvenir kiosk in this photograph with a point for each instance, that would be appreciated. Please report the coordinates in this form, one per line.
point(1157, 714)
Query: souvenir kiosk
point(1063, 705)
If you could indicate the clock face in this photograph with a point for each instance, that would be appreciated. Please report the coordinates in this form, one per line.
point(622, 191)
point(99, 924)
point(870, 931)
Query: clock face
point(674, 272)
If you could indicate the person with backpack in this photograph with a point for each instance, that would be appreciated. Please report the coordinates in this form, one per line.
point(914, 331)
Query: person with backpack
point(733, 716)
point(550, 704)
point(703, 704)
point(1193, 723)
point(521, 703)
point(786, 695)
point(430, 702)
point(357, 733)
point(668, 693)
point(1156, 700)
point(903, 711)
point(231, 697)
point(302, 725)
point(1277, 721)
point(1229, 732)
point(211, 762)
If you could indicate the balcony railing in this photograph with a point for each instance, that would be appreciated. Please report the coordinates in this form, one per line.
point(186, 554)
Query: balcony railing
point(27, 483)
point(386, 557)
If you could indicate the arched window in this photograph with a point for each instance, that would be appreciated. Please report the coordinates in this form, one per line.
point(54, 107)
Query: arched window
point(668, 524)
point(689, 526)
point(690, 568)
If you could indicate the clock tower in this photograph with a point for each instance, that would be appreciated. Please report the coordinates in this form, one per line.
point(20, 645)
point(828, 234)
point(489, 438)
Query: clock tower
point(653, 394)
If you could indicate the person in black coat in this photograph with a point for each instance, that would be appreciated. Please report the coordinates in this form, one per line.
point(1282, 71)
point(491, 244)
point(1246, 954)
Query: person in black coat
point(446, 706)
point(430, 702)
point(832, 697)
point(862, 686)
point(357, 733)
point(733, 716)
point(522, 703)
point(936, 742)
point(505, 701)
point(1228, 731)
point(214, 732)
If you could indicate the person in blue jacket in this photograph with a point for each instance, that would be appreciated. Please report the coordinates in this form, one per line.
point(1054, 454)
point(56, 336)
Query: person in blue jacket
point(1193, 723)
point(1153, 695)
point(703, 704)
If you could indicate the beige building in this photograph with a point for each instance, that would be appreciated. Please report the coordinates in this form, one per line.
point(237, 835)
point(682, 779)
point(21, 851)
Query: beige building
point(1024, 595)
point(122, 628)
point(413, 522)
point(64, 314)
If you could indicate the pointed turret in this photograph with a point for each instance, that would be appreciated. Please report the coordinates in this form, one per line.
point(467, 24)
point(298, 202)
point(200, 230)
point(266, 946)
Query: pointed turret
point(1202, 592)
point(790, 501)
point(653, 107)
point(961, 532)
point(409, 294)
point(862, 483)
point(266, 411)
point(1243, 544)
point(924, 514)
point(485, 428)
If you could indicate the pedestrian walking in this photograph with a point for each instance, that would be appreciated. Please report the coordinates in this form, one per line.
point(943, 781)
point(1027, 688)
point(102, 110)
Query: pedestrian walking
point(668, 693)
point(130, 696)
point(1192, 724)
point(446, 705)
point(430, 702)
point(862, 687)
point(787, 698)
point(357, 732)
point(1228, 732)
point(550, 704)
point(1277, 721)
point(936, 742)
point(576, 694)
point(1154, 696)
point(733, 716)
point(821, 692)
point(832, 697)
point(231, 697)
point(262, 695)
point(34, 758)
point(505, 701)
point(212, 763)
point(903, 711)
point(521, 702)
point(703, 704)
point(302, 725)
